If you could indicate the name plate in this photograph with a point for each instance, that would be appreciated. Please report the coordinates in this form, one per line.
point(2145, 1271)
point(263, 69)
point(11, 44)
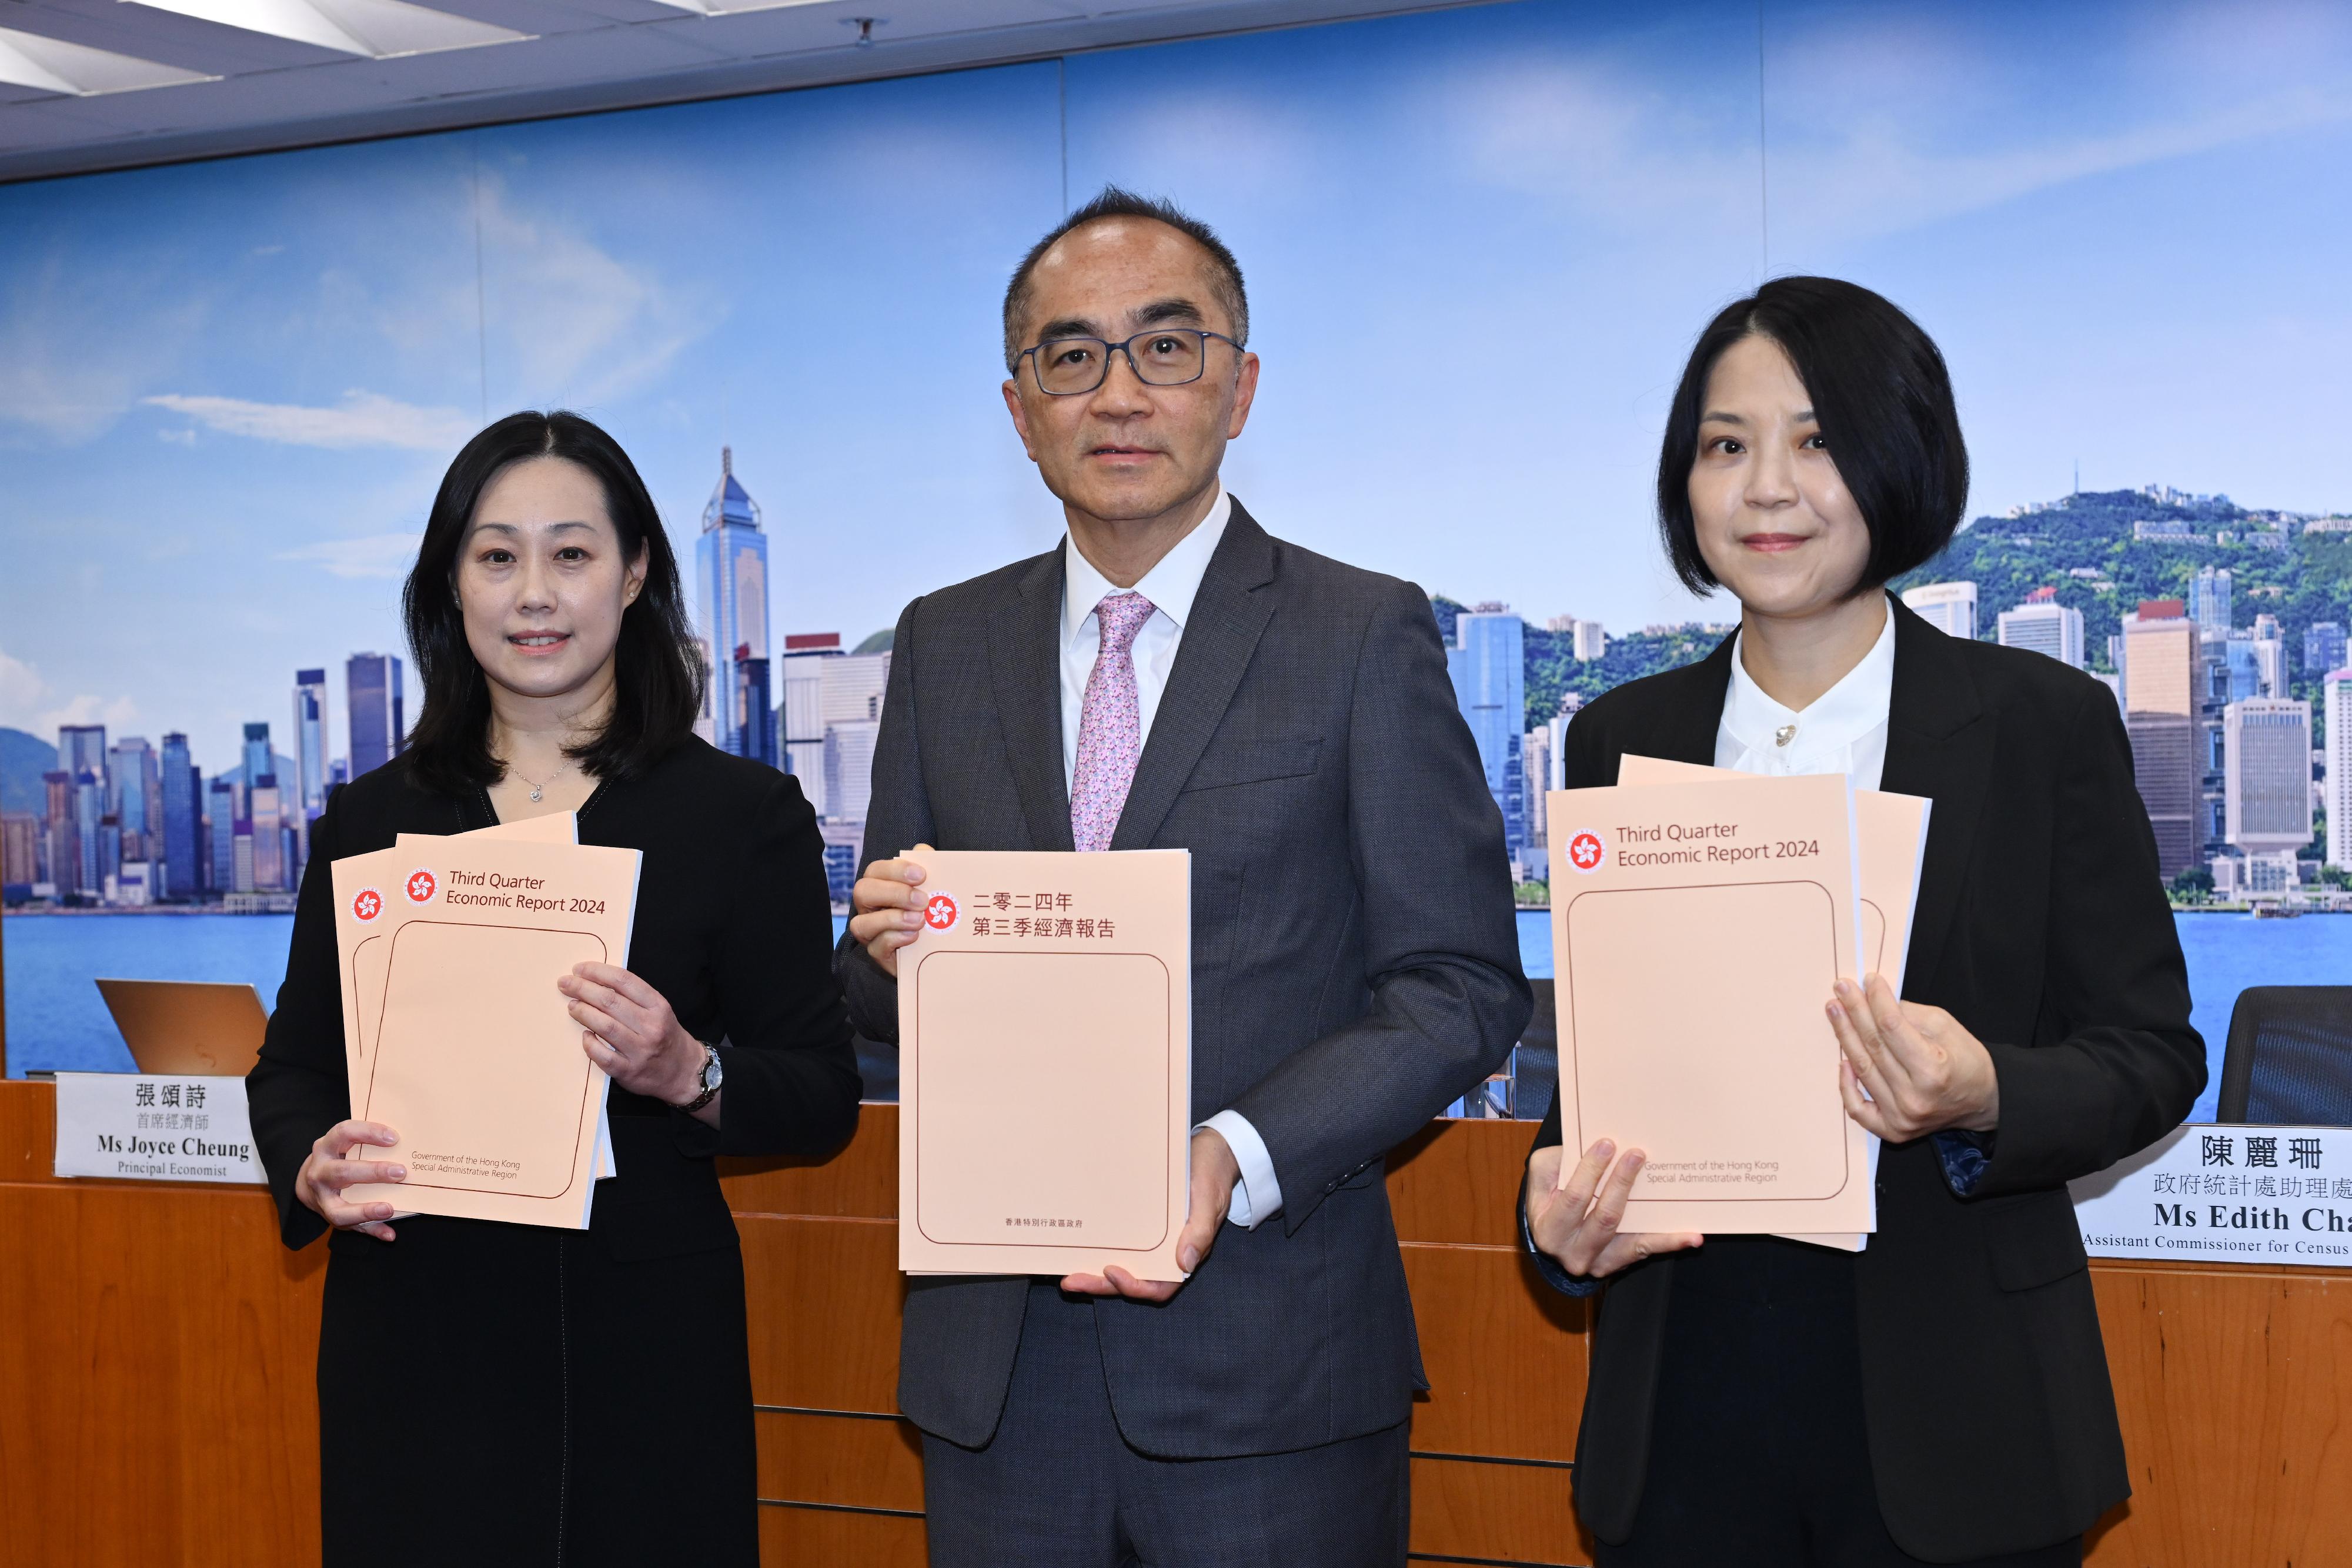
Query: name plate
point(2226, 1194)
point(138, 1127)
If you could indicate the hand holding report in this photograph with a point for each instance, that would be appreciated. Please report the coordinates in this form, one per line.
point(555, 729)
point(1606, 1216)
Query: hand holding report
point(1696, 928)
point(1891, 839)
point(467, 1050)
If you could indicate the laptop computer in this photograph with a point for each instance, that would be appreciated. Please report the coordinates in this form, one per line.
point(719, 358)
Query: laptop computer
point(194, 1027)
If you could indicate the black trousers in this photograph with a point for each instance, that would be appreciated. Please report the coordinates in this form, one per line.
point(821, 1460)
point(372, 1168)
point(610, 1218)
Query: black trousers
point(1058, 1486)
point(1757, 1452)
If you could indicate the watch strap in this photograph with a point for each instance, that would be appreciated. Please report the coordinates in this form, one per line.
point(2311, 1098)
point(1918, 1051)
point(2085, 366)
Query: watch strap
point(711, 1086)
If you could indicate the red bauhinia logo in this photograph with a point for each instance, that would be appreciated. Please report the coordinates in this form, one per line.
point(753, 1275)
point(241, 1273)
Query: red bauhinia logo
point(1586, 851)
point(367, 905)
point(940, 913)
point(420, 887)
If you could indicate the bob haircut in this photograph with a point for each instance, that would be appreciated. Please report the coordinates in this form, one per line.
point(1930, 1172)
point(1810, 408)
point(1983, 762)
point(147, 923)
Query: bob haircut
point(1884, 403)
point(659, 678)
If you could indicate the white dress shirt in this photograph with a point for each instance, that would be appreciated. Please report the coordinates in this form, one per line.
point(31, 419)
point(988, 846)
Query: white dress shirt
point(1843, 730)
point(1171, 586)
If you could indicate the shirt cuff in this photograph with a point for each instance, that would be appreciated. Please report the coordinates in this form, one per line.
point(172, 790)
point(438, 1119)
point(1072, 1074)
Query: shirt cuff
point(1558, 1278)
point(1257, 1197)
point(1965, 1156)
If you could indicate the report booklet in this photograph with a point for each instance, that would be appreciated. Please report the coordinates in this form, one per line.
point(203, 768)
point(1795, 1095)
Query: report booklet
point(556, 828)
point(459, 1039)
point(1046, 1064)
point(1697, 931)
point(1891, 840)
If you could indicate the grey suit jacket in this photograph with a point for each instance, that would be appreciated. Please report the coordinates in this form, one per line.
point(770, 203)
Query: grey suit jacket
point(1355, 962)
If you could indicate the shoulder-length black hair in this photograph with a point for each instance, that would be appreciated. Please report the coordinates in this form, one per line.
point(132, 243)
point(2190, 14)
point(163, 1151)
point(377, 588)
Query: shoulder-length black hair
point(658, 682)
point(1884, 403)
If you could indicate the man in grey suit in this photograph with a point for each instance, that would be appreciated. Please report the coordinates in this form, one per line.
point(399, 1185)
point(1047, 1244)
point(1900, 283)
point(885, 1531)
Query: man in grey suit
point(1171, 676)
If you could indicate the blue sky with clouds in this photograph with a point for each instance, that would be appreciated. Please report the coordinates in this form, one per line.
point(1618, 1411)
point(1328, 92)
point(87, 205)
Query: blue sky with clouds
point(1478, 241)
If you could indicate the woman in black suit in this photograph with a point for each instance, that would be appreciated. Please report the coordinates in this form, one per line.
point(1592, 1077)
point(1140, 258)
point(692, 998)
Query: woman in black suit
point(503, 1394)
point(1941, 1396)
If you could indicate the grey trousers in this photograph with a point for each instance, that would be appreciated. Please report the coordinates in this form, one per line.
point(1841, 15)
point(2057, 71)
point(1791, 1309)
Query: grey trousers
point(1059, 1488)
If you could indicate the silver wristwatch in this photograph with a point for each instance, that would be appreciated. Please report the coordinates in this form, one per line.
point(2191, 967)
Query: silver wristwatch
point(713, 1071)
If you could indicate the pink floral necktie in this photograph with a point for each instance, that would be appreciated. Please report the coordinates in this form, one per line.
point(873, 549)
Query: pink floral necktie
point(1110, 726)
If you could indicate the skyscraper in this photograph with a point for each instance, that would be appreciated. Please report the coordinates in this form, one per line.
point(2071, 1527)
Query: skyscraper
point(2270, 657)
point(1949, 607)
point(755, 721)
point(2045, 625)
point(266, 807)
point(2209, 601)
point(221, 823)
point(2324, 647)
point(89, 815)
point(60, 839)
point(1535, 755)
point(182, 822)
point(1487, 662)
point(799, 708)
point(2162, 707)
point(2266, 752)
point(20, 849)
point(258, 757)
point(81, 748)
point(373, 696)
point(135, 796)
point(2335, 702)
point(731, 574)
point(309, 735)
point(849, 699)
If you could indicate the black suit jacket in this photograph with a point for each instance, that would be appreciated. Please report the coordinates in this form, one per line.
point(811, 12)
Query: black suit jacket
point(1355, 962)
point(606, 1373)
point(2042, 926)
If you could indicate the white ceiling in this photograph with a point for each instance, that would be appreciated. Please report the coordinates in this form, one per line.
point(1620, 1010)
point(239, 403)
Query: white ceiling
point(253, 92)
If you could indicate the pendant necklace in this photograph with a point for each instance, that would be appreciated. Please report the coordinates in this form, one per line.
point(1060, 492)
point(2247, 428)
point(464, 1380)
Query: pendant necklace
point(537, 787)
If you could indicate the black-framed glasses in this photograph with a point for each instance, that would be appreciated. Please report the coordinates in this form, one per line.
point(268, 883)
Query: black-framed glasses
point(1162, 357)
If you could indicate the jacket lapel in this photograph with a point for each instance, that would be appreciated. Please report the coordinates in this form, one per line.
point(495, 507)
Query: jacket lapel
point(1024, 665)
point(1940, 739)
point(1686, 729)
point(1229, 614)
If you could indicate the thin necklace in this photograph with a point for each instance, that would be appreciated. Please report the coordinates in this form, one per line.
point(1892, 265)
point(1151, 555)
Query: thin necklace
point(539, 785)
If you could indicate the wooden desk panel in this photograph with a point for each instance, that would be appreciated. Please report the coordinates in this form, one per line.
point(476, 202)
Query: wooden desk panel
point(157, 1396)
point(1505, 1355)
point(824, 1298)
point(157, 1347)
point(828, 1538)
point(2235, 1389)
point(842, 1461)
point(1488, 1512)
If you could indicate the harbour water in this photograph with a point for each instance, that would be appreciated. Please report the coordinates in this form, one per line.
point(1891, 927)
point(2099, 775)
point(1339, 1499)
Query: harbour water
point(57, 1021)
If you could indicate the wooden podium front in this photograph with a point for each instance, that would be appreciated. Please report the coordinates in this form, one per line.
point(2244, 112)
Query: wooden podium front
point(157, 1349)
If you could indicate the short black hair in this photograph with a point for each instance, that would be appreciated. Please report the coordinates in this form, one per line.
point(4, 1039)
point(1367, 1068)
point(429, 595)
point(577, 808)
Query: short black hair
point(1112, 202)
point(1882, 396)
point(659, 678)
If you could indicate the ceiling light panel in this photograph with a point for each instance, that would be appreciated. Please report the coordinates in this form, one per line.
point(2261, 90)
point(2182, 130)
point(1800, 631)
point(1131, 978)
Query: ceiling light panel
point(375, 29)
point(28, 60)
point(728, 8)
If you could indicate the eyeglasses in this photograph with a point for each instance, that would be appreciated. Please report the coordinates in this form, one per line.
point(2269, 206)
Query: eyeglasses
point(1163, 357)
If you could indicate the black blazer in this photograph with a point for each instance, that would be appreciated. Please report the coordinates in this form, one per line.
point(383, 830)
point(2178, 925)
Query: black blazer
point(589, 1393)
point(2042, 926)
point(1355, 962)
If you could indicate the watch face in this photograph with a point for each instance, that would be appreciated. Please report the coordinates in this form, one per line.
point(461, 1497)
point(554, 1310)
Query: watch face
point(711, 1070)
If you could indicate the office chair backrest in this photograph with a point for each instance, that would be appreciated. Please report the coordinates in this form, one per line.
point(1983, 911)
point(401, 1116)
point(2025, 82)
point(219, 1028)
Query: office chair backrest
point(2289, 1060)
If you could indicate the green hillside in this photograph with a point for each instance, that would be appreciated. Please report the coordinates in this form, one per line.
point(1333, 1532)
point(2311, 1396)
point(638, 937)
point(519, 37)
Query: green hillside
point(23, 759)
point(2301, 579)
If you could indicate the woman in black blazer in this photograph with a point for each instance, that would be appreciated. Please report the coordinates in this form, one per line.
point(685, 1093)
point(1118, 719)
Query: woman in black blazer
point(1941, 1396)
point(505, 1394)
